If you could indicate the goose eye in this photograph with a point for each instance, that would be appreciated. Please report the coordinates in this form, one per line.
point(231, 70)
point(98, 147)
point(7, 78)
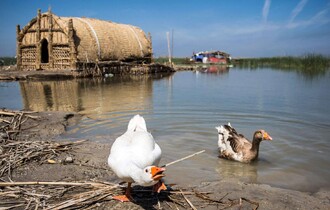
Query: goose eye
point(146, 170)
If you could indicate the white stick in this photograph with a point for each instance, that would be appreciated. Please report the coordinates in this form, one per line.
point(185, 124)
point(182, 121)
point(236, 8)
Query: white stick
point(168, 47)
point(189, 156)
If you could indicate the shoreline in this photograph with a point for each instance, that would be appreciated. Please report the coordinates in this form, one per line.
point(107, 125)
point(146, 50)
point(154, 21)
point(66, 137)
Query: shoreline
point(89, 162)
point(10, 73)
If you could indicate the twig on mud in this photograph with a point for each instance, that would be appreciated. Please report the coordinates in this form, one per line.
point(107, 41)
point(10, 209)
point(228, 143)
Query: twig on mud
point(7, 184)
point(251, 202)
point(10, 126)
point(18, 153)
point(177, 201)
point(84, 198)
point(31, 193)
point(188, 201)
point(205, 197)
point(12, 113)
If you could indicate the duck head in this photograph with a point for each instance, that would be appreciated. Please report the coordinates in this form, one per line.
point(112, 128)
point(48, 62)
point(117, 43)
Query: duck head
point(262, 135)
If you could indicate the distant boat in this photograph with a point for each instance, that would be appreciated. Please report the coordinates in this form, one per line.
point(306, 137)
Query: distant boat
point(211, 57)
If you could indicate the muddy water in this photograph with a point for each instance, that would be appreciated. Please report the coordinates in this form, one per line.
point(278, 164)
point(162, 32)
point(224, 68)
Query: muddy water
point(182, 110)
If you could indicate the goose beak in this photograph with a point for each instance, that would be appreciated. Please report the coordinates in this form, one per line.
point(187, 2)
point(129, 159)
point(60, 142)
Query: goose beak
point(266, 136)
point(157, 173)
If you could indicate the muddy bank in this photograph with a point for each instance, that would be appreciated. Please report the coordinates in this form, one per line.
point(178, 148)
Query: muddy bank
point(88, 162)
point(100, 70)
point(11, 73)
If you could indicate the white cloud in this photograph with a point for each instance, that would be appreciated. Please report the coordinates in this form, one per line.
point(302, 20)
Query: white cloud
point(250, 37)
point(265, 10)
point(320, 19)
point(295, 12)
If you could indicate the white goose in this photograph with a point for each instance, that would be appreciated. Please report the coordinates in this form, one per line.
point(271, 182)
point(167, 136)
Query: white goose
point(134, 157)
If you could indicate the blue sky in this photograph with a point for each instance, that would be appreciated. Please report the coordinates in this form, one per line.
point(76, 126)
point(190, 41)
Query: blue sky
point(243, 28)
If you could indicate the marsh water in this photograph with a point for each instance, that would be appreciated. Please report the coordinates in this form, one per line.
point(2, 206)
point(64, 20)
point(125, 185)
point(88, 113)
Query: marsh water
point(182, 110)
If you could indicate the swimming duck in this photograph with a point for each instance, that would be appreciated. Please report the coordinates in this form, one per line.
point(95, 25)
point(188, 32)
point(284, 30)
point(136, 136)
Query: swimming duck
point(134, 157)
point(234, 146)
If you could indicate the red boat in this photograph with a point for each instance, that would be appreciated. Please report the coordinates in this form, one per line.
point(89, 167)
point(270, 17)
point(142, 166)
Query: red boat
point(216, 57)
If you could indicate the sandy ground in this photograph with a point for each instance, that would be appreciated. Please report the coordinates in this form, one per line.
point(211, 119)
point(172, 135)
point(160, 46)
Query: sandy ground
point(90, 163)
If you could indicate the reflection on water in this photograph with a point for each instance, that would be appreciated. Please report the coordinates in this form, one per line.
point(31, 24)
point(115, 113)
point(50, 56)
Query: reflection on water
point(215, 69)
point(182, 110)
point(50, 95)
point(90, 96)
point(245, 172)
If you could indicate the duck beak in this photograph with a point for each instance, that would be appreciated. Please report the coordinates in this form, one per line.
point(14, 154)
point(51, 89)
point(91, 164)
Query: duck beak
point(267, 136)
point(157, 173)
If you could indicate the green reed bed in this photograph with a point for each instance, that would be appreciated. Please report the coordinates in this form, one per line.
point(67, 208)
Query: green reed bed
point(6, 61)
point(310, 63)
point(175, 60)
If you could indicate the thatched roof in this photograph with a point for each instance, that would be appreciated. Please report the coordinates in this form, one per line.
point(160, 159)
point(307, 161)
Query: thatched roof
point(105, 40)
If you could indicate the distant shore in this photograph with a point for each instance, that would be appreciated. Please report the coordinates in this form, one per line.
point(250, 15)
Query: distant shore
point(309, 64)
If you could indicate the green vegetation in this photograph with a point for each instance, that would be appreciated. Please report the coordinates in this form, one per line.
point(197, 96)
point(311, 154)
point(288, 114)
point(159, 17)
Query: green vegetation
point(308, 64)
point(177, 61)
point(7, 61)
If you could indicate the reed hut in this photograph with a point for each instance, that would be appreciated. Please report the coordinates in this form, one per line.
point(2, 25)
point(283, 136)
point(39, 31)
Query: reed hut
point(50, 42)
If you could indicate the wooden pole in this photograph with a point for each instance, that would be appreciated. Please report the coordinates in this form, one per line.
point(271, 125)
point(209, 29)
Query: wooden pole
point(168, 47)
point(50, 40)
point(18, 48)
point(38, 42)
point(172, 54)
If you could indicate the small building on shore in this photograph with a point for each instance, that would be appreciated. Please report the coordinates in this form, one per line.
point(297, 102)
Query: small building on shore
point(50, 42)
point(212, 57)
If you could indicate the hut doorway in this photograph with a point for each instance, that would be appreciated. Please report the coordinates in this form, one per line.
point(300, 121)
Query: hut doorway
point(44, 51)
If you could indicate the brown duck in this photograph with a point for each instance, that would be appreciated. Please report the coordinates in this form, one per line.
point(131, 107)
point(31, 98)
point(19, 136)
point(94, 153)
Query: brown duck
point(234, 146)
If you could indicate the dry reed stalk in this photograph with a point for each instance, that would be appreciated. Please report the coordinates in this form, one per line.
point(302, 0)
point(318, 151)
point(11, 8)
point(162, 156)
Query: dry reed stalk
point(184, 158)
point(251, 202)
point(93, 192)
point(14, 152)
point(10, 128)
point(17, 153)
point(94, 184)
point(85, 198)
point(188, 201)
point(50, 195)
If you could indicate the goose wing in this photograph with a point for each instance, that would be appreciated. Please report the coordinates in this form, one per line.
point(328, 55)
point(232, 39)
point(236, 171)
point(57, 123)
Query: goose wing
point(238, 143)
point(236, 140)
point(230, 140)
